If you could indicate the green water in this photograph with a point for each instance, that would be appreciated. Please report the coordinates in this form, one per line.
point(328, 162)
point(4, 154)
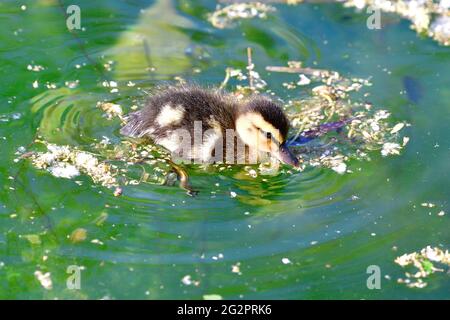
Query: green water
point(331, 227)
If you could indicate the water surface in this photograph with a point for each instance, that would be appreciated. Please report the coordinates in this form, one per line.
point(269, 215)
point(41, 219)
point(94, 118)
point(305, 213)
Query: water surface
point(331, 227)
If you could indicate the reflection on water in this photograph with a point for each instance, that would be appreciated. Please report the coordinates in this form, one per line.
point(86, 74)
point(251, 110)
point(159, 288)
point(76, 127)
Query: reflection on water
point(327, 227)
point(155, 44)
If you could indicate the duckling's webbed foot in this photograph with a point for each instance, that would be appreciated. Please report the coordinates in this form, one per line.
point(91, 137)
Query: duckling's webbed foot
point(192, 193)
point(184, 180)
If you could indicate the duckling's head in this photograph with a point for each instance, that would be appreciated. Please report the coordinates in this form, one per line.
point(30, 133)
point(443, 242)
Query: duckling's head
point(262, 125)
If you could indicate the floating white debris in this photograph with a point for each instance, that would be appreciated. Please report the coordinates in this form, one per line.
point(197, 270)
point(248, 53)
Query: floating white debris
point(212, 297)
point(424, 262)
point(236, 268)
point(72, 84)
point(111, 109)
point(219, 256)
point(405, 141)
point(359, 4)
point(96, 241)
point(444, 4)
point(233, 194)
point(64, 170)
point(118, 192)
point(35, 68)
point(64, 162)
point(428, 17)
point(304, 80)
point(108, 65)
point(35, 84)
point(50, 85)
point(432, 254)
point(286, 261)
point(428, 204)
point(223, 18)
point(44, 279)
point(341, 168)
point(397, 127)
point(187, 280)
point(109, 84)
point(9, 117)
point(440, 29)
point(253, 173)
point(105, 141)
point(83, 159)
point(381, 114)
point(237, 73)
point(390, 148)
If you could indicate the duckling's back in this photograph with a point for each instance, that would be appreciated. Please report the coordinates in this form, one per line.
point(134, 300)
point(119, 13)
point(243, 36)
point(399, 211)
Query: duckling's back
point(181, 107)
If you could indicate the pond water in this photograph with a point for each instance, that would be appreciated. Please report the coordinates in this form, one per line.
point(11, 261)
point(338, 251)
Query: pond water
point(307, 235)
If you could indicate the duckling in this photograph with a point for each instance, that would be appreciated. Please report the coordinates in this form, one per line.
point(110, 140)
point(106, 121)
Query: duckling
point(208, 126)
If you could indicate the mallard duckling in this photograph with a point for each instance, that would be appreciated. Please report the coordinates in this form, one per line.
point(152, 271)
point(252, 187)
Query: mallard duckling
point(209, 126)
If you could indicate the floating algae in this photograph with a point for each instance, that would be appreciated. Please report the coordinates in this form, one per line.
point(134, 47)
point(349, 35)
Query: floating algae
point(330, 99)
point(69, 162)
point(135, 163)
point(224, 17)
point(428, 17)
point(255, 82)
point(111, 109)
point(363, 129)
point(440, 29)
point(106, 162)
point(424, 261)
point(142, 162)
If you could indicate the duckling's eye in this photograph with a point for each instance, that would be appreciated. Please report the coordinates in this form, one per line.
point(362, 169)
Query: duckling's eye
point(266, 134)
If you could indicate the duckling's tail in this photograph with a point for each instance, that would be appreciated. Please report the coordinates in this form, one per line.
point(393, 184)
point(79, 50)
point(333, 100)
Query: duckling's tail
point(132, 128)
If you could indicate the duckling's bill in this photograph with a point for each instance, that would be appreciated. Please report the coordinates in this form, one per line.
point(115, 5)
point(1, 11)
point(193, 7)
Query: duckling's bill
point(286, 156)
